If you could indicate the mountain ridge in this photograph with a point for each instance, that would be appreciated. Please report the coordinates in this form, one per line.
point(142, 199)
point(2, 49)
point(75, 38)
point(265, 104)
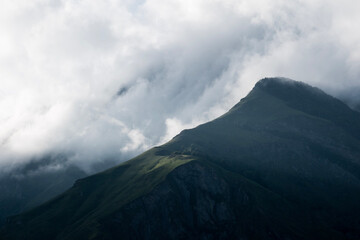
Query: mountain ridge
point(270, 168)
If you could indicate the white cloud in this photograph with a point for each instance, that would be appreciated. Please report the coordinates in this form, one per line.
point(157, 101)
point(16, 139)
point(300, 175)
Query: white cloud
point(176, 63)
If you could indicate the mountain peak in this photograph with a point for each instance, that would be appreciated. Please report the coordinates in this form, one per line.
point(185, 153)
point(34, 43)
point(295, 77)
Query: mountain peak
point(293, 93)
point(277, 80)
point(296, 93)
point(286, 86)
point(299, 96)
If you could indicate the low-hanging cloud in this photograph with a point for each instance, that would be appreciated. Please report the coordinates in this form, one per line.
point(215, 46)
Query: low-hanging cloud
point(98, 80)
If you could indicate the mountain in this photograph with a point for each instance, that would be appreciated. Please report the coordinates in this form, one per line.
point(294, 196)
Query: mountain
point(351, 97)
point(283, 163)
point(38, 180)
point(357, 108)
point(34, 183)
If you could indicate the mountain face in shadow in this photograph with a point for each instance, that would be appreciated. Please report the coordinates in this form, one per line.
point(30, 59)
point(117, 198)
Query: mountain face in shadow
point(283, 163)
point(39, 180)
point(34, 183)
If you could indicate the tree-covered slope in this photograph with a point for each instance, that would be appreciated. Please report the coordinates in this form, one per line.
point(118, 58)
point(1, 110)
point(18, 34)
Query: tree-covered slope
point(284, 163)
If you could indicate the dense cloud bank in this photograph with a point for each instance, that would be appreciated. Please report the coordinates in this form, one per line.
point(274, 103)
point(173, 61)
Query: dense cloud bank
point(100, 80)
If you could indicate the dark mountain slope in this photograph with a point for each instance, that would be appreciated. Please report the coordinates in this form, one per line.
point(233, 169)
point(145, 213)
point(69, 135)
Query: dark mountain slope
point(284, 163)
point(34, 183)
point(308, 156)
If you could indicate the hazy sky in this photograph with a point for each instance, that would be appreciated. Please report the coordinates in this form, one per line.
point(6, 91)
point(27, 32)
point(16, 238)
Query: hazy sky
point(97, 80)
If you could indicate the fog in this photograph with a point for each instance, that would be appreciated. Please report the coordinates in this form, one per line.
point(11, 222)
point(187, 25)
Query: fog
point(105, 80)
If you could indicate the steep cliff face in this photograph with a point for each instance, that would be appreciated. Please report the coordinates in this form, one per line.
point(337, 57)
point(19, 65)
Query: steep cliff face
point(284, 163)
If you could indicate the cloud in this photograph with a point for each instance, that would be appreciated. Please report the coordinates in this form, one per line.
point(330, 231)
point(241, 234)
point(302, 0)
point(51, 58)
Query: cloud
point(100, 80)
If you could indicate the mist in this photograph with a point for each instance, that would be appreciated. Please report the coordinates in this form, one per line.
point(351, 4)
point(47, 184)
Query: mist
point(98, 81)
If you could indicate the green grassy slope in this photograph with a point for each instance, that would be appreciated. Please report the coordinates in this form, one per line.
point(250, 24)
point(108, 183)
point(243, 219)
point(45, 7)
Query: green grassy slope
point(97, 196)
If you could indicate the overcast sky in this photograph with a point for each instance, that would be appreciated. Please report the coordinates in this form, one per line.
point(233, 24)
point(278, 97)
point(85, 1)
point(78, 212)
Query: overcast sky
point(97, 80)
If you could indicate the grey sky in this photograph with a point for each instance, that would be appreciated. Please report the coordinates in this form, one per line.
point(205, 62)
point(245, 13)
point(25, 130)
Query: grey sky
point(176, 63)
